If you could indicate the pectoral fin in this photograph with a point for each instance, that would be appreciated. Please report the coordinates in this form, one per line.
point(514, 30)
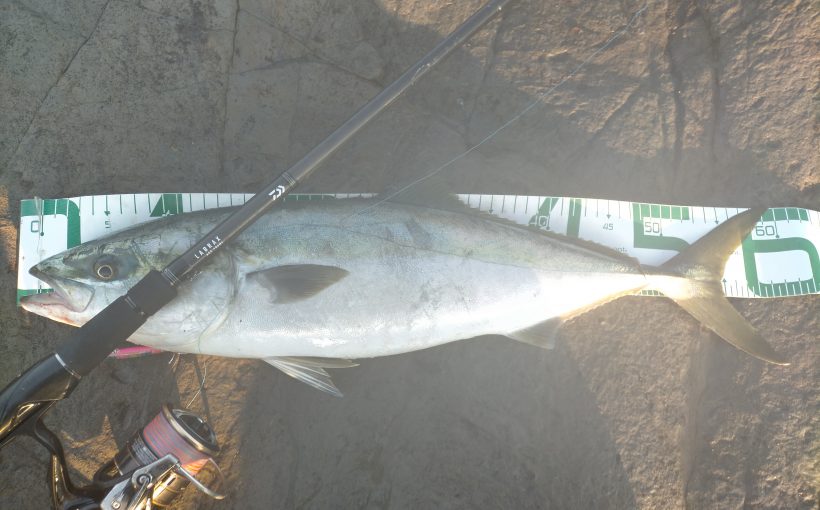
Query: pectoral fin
point(311, 370)
point(298, 282)
point(541, 335)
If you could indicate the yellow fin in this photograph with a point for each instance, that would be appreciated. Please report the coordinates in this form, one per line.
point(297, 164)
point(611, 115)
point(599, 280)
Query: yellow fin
point(692, 280)
point(540, 335)
point(705, 302)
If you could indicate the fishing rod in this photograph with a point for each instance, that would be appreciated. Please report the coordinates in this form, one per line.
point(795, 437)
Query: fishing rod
point(26, 399)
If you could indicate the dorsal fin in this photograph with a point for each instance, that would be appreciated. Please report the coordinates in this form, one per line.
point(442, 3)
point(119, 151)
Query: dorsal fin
point(588, 245)
point(426, 193)
point(433, 194)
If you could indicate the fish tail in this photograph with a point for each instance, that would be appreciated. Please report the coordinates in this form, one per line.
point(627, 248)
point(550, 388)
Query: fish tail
point(693, 280)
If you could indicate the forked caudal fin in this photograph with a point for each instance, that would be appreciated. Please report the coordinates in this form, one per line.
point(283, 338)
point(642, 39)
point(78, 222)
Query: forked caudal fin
point(692, 280)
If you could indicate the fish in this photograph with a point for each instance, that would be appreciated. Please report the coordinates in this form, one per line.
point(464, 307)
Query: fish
point(314, 285)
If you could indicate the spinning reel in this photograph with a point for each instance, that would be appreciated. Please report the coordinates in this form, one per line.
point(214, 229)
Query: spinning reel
point(150, 471)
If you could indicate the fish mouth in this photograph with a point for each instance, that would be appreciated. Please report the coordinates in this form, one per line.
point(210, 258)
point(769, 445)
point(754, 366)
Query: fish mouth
point(68, 296)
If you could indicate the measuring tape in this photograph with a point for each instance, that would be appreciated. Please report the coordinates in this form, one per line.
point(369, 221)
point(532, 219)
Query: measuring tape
point(778, 258)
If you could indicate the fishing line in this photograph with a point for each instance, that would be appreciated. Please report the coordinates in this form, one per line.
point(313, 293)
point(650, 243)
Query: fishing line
point(201, 383)
point(538, 98)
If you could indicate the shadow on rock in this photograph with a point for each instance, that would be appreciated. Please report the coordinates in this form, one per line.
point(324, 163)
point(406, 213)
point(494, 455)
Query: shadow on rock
point(483, 423)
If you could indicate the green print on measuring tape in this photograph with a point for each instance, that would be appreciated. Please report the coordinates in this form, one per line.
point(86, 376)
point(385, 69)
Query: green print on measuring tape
point(541, 219)
point(51, 206)
point(168, 204)
point(788, 288)
point(786, 214)
point(574, 212)
point(574, 217)
point(649, 234)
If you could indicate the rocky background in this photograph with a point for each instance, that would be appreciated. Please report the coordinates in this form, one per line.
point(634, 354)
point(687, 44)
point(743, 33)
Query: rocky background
point(712, 103)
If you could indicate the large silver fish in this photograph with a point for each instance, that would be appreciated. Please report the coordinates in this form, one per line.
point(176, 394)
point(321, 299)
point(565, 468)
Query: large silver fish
point(313, 284)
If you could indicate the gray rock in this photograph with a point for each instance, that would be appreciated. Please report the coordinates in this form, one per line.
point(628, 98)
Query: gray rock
point(637, 407)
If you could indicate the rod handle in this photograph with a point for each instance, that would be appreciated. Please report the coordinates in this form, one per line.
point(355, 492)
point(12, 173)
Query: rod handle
point(90, 344)
point(30, 395)
point(53, 378)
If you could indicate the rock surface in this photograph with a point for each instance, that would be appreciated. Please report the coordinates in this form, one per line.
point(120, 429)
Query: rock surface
point(711, 103)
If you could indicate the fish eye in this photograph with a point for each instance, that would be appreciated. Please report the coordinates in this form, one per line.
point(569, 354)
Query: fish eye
point(105, 269)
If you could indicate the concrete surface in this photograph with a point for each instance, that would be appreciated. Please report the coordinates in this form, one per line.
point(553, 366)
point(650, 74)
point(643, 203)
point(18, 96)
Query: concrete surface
point(712, 103)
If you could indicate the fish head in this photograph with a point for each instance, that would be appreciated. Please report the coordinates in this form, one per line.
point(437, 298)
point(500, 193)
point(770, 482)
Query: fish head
point(87, 278)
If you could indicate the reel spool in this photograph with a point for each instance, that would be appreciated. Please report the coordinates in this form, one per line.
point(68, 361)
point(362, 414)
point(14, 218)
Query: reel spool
point(150, 471)
point(162, 459)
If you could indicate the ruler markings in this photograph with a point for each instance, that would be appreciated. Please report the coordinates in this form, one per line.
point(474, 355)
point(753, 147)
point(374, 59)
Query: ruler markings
point(774, 281)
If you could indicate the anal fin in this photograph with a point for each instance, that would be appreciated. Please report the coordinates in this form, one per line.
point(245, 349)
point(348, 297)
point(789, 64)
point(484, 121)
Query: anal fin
point(311, 370)
point(540, 335)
